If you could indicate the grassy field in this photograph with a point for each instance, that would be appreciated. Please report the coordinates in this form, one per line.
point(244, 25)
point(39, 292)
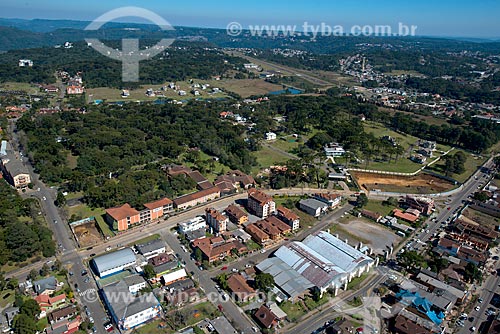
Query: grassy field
point(248, 87)
point(377, 206)
point(7, 297)
point(471, 165)
point(306, 221)
point(293, 311)
point(28, 88)
point(111, 94)
point(286, 144)
point(267, 157)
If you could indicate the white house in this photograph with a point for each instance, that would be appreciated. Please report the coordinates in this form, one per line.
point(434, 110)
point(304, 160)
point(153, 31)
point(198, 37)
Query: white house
point(25, 63)
point(313, 207)
point(334, 150)
point(271, 136)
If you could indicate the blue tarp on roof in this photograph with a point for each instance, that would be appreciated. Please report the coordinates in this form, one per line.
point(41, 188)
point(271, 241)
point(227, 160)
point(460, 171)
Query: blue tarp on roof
point(421, 304)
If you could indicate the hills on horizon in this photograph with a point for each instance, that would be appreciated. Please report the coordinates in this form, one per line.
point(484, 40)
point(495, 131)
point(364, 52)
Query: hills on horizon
point(22, 34)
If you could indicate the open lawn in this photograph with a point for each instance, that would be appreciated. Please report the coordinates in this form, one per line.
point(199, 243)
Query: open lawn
point(380, 130)
point(7, 297)
point(293, 311)
point(306, 221)
point(113, 95)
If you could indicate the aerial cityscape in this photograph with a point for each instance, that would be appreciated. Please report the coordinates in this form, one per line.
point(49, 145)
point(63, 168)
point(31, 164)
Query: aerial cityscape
point(229, 168)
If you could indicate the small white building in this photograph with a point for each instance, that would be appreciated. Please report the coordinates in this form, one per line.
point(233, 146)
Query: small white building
point(271, 136)
point(334, 150)
point(25, 63)
point(194, 224)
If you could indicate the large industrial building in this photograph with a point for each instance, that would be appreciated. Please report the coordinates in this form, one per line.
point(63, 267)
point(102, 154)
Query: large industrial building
point(321, 260)
point(113, 263)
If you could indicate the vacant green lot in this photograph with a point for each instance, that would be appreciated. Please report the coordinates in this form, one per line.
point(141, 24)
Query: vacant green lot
point(267, 158)
point(378, 207)
point(293, 311)
point(471, 166)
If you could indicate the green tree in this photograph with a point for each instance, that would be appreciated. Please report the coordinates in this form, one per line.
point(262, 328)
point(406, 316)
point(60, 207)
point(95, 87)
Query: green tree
point(149, 271)
point(60, 200)
point(30, 308)
point(264, 281)
point(198, 254)
point(24, 324)
point(481, 196)
point(362, 200)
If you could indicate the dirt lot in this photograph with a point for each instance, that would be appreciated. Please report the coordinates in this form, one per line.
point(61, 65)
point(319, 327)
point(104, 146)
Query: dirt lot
point(420, 184)
point(248, 87)
point(87, 234)
point(376, 236)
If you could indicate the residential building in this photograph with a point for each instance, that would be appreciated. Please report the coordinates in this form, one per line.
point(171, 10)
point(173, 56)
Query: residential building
point(13, 169)
point(216, 220)
point(159, 208)
point(129, 311)
point(62, 314)
point(334, 150)
point(268, 231)
point(48, 304)
point(214, 249)
point(410, 216)
point(313, 207)
point(222, 326)
point(202, 182)
point(236, 215)
point(197, 223)
point(425, 205)
point(152, 249)
point(269, 316)
point(406, 326)
point(174, 276)
point(123, 217)
point(45, 286)
point(240, 289)
point(113, 263)
point(200, 197)
point(75, 90)
point(261, 204)
point(289, 217)
point(238, 179)
point(135, 283)
point(332, 200)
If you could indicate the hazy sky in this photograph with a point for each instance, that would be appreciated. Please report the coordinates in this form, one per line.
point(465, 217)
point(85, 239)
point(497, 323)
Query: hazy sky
point(433, 17)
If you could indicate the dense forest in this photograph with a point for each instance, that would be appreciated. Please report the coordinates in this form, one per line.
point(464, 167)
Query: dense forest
point(22, 231)
point(119, 150)
point(180, 62)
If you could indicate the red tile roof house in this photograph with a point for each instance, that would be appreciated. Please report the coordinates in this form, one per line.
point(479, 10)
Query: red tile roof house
point(214, 249)
point(371, 215)
point(238, 285)
point(48, 304)
point(123, 217)
point(406, 216)
point(236, 215)
point(266, 318)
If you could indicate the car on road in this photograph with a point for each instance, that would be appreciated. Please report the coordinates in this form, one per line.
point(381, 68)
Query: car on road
point(234, 270)
point(220, 307)
point(91, 319)
point(84, 272)
point(480, 300)
point(108, 328)
point(477, 308)
point(473, 329)
point(55, 221)
point(108, 249)
point(223, 268)
point(87, 280)
point(44, 198)
point(263, 251)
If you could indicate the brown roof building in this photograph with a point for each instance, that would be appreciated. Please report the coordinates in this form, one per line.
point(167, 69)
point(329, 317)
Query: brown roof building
point(197, 198)
point(236, 215)
point(289, 217)
point(214, 249)
point(266, 317)
point(406, 326)
point(261, 204)
point(122, 217)
point(240, 288)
